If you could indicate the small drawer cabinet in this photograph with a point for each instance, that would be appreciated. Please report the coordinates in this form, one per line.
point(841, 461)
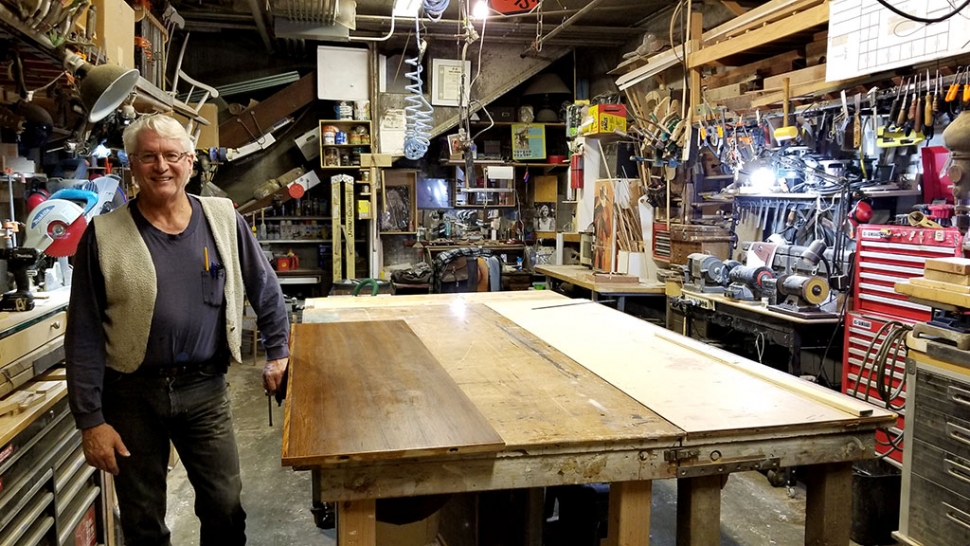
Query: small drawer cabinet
point(935, 509)
point(48, 494)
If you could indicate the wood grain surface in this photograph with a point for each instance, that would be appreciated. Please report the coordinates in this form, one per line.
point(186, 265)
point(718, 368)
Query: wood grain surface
point(692, 390)
point(535, 397)
point(363, 389)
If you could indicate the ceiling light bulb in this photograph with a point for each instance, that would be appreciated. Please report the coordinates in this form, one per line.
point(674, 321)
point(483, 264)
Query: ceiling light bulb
point(480, 11)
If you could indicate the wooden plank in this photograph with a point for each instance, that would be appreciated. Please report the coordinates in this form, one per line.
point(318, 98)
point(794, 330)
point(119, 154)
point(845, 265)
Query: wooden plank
point(765, 13)
point(943, 276)
point(828, 496)
point(12, 425)
point(513, 377)
point(547, 189)
point(699, 511)
point(357, 523)
point(920, 281)
point(233, 134)
point(660, 380)
point(400, 404)
point(960, 266)
point(629, 513)
point(933, 294)
point(771, 66)
point(762, 36)
point(717, 94)
point(796, 77)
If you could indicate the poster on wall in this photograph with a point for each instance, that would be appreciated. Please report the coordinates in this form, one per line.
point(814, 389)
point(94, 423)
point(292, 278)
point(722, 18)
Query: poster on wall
point(528, 141)
point(604, 241)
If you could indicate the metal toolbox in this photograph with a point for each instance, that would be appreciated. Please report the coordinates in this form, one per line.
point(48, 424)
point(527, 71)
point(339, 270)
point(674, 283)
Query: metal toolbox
point(860, 329)
point(935, 506)
point(886, 255)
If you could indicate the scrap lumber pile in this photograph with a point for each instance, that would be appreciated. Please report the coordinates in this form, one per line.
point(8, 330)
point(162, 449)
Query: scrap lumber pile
point(945, 280)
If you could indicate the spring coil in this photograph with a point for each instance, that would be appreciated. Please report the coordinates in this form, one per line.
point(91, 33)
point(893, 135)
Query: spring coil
point(418, 112)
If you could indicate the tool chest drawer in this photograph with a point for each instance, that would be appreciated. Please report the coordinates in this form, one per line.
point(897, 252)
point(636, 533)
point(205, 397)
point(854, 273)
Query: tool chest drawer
point(25, 340)
point(944, 394)
point(937, 516)
point(941, 467)
point(942, 431)
point(48, 495)
point(23, 468)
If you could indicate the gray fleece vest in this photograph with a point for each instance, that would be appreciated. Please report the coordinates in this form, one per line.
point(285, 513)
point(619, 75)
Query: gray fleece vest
point(130, 281)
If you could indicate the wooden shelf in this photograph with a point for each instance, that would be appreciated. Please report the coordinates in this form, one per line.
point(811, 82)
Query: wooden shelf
point(345, 121)
point(489, 163)
point(346, 145)
point(343, 168)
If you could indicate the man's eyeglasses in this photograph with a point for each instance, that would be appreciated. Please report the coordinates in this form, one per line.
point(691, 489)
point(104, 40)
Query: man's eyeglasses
point(150, 157)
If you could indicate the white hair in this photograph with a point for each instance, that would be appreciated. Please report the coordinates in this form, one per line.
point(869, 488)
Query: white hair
point(164, 126)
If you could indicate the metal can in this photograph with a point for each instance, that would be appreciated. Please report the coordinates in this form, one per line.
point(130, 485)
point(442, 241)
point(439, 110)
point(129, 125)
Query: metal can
point(340, 137)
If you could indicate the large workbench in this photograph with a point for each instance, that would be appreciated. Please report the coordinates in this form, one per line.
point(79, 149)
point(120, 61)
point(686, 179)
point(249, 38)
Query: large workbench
point(579, 276)
point(567, 392)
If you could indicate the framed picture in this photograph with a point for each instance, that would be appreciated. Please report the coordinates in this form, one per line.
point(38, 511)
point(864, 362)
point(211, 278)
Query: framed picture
point(446, 82)
point(398, 200)
point(528, 141)
point(545, 217)
point(455, 148)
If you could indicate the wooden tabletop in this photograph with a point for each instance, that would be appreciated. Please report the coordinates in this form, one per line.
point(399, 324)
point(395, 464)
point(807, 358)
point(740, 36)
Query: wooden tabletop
point(533, 396)
point(582, 277)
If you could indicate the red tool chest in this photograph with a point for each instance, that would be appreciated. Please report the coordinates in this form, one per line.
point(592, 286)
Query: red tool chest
point(888, 254)
point(860, 329)
point(884, 256)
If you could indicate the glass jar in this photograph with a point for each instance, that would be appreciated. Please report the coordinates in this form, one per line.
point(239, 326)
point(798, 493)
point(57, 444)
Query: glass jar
point(331, 157)
point(355, 156)
point(364, 135)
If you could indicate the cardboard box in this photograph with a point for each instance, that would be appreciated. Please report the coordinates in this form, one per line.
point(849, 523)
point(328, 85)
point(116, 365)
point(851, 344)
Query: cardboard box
point(607, 118)
point(116, 31)
point(418, 533)
point(209, 134)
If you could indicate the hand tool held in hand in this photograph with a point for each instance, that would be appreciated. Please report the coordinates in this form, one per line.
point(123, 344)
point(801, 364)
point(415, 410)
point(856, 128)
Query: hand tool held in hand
point(785, 132)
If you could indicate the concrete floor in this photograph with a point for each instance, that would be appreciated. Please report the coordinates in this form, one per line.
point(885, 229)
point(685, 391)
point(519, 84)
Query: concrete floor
point(277, 500)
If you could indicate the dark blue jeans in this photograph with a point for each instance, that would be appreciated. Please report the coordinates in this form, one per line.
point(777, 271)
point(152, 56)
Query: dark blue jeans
point(192, 410)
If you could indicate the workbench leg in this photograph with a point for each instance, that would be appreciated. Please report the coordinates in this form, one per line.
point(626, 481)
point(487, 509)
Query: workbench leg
point(795, 358)
point(534, 516)
point(699, 511)
point(629, 523)
point(357, 523)
point(827, 506)
point(621, 304)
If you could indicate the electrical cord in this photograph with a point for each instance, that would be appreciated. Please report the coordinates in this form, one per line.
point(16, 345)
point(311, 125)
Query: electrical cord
point(435, 8)
point(884, 372)
point(928, 21)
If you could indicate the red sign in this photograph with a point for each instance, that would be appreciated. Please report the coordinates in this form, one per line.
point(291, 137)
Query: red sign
point(509, 7)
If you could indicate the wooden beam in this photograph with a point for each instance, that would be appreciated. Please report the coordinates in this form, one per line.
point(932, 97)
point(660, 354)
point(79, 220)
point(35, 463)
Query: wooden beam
point(357, 523)
point(629, 521)
point(734, 7)
point(765, 13)
point(796, 23)
point(811, 74)
point(259, 118)
point(699, 511)
point(771, 66)
point(828, 497)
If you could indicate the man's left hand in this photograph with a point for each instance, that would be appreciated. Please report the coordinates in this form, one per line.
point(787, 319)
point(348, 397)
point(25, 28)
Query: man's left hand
point(273, 374)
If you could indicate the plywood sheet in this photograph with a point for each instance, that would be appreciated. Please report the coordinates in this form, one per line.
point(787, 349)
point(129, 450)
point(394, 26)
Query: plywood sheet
point(691, 390)
point(368, 389)
point(534, 396)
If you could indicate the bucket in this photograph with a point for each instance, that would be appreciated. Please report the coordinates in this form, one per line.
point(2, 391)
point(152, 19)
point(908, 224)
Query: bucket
point(875, 502)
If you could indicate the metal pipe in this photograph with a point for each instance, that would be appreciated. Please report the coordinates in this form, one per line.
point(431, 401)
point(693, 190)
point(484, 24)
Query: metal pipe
point(562, 26)
point(261, 24)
